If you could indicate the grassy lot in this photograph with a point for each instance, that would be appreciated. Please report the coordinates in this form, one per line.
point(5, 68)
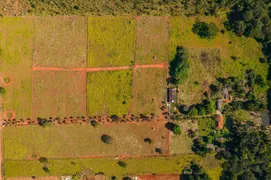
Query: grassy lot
point(149, 90)
point(109, 92)
point(16, 42)
point(73, 141)
point(247, 51)
point(182, 144)
point(205, 125)
point(58, 94)
point(110, 167)
point(152, 40)
point(60, 41)
point(111, 41)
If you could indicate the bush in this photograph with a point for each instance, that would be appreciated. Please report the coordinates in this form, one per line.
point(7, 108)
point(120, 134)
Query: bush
point(122, 164)
point(43, 159)
point(177, 129)
point(262, 60)
point(94, 123)
point(193, 112)
point(159, 150)
point(148, 140)
point(2, 91)
point(46, 169)
point(205, 30)
point(106, 139)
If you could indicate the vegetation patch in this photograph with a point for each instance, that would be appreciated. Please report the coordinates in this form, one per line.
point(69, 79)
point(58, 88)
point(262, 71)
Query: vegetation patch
point(206, 126)
point(111, 41)
point(58, 94)
point(60, 41)
point(152, 40)
point(109, 92)
point(16, 42)
point(149, 90)
point(74, 141)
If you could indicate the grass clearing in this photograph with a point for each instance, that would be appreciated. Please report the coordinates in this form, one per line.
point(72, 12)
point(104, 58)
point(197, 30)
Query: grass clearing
point(58, 94)
point(206, 126)
point(111, 41)
point(109, 92)
point(60, 41)
point(152, 40)
point(74, 141)
point(182, 144)
point(149, 90)
point(16, 42)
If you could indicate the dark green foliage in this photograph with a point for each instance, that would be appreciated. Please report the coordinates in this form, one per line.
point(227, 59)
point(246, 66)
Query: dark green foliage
point(113, 178)
point(148, 140)
point(46, 169)
point(262, 60)
point(200, 147)
point(159, 150)
point(248, 152)
point(205, 30)
point(122, 164)
point(106, 139)
point(44, 123)
point(2, 91)
point(194, 172)
point(43, 159)
point(180, 66)
point(94, 123)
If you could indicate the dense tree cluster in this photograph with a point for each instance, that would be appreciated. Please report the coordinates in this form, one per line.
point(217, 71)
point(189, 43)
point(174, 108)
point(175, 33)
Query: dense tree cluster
point(205, 30)
point(180, 66)
point(248, 153)
point(207, 107)
point(194, 172)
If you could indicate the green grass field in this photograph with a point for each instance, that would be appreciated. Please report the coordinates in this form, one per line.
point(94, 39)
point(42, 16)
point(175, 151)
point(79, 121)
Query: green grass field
point(74, 141)
point(149, 90)
point(111, 41)
point(206, 125)
point(16, 42)
point(152, 40)
point(109, 92)
point(60, 42)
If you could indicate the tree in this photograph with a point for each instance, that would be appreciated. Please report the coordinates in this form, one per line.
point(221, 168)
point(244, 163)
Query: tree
point(43, 159)
point(148, 140)
point(210, 107)
point(177, 129)
point(46, 169)
point(94, 123)
point(122, 164)
point(106, 139)
point(159, 150)
point(2, 91)
point(194, 172)
point(193, 112)
point(180, 66)
point(205, 30)
point(200, 147)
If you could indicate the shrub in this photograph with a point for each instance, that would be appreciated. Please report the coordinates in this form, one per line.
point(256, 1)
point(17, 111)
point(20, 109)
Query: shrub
point(94, 123)
point(46, 169)
point(159, 150)
point(43, 159)
point(2, 91)
point(148, 140)
point(193, 112)
point(205, 30)
point(34, 156)
point(177, 129)
point(106, 139)
point(122, 164)
point(262, 60)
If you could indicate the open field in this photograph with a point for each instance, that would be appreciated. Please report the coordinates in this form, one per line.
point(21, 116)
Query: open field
point(247, 51)
point(110, 167)
point(152, 40)
point(109, 92)
point(111, 41)
point(58, 94)
point(182, 144)
point(60, 42)
point(149, 90)
point(16, 42)
point(74, 141)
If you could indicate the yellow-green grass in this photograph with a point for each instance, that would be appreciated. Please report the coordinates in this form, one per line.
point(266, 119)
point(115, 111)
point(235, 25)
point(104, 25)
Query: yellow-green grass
point(247, 50)
point(60, 41)
point(152, 40)
point(157, 165)
point(149, 90)
point(58, 94)
point(205, 66)
point(16, 42)
point(182, 144)
point(111, 41)
point(109, 92)
point(206, 126)
point(74, 141)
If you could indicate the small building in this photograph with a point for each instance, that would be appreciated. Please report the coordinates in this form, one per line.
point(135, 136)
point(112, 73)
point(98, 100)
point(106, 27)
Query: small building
point(265, 116)
point(220, 121)
point(172, 95)
point(219, 104)
point(66, 177)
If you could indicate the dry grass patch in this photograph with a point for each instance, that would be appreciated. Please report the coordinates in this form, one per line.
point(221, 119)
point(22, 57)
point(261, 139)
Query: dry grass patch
point(59, 94)
point(149, 90)
point(60, 41)
point(152, 40)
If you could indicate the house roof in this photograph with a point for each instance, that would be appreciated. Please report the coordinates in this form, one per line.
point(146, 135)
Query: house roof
point(220, 121)
point(172, 95)
point(265, 118)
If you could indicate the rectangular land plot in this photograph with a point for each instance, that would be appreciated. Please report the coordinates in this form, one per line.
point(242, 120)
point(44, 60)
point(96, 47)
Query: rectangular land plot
point(205, 67)
point(73, 141)
point(111, 41)
point(58, 94)
point(16, 42)
point(60, 42)
point(152, 40)
point(109, 92)
point(149, 90)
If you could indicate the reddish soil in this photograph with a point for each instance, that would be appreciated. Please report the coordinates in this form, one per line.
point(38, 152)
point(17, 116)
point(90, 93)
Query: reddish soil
point(2, 77)
point(159, 177)
point(9, 114)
